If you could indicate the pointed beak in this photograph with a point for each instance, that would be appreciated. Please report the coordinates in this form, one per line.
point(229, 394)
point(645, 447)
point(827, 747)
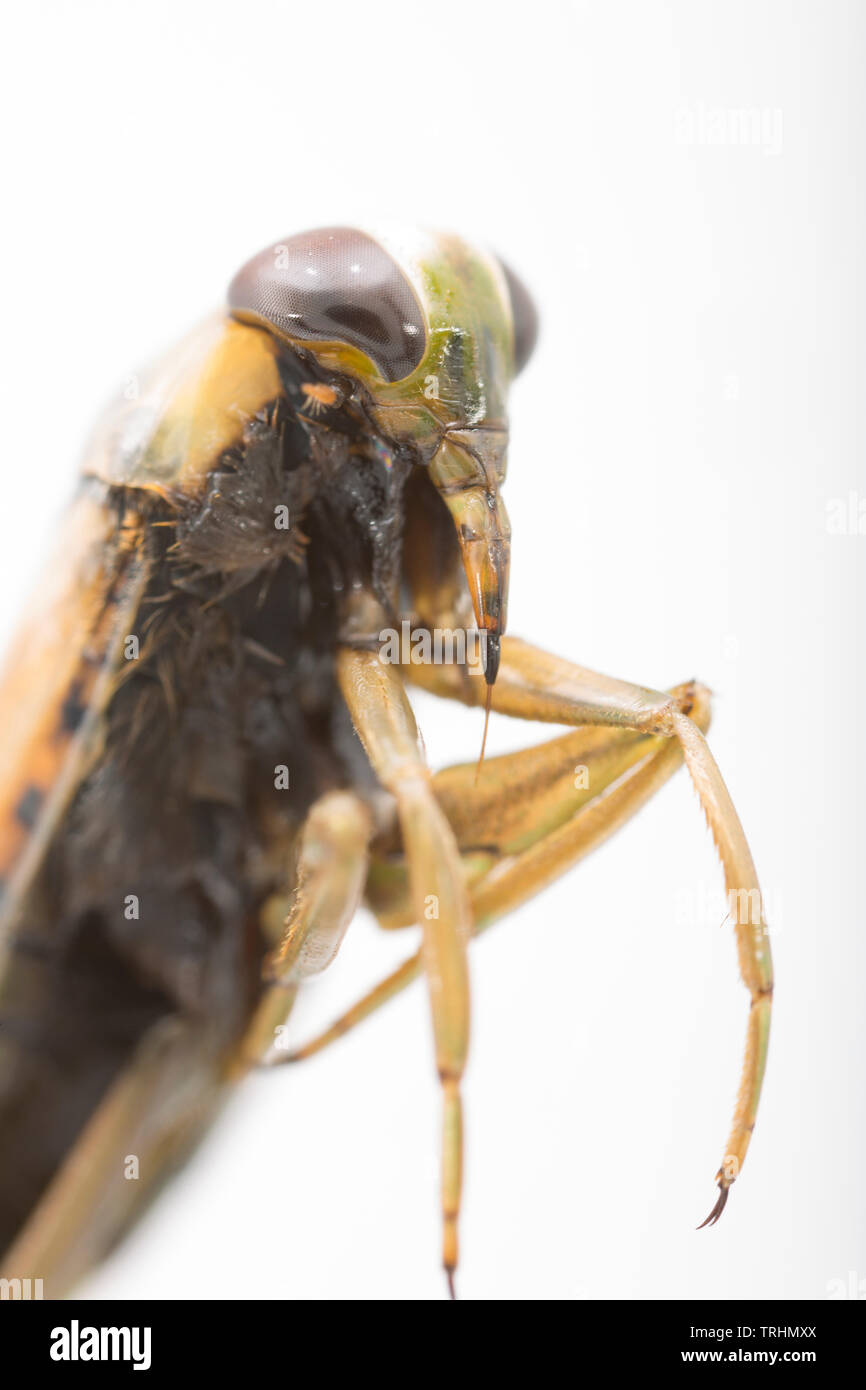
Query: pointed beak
point(469, 486)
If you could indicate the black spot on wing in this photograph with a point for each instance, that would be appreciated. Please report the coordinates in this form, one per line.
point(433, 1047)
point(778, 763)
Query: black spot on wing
point(29, 806)
point(73, 710)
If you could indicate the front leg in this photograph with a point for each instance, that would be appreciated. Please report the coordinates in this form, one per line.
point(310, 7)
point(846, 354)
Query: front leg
point(385, 724)
point(533, 684)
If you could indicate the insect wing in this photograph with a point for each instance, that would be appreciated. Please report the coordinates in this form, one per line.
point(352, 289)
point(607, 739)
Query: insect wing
point(57, 679)
point(61, 671)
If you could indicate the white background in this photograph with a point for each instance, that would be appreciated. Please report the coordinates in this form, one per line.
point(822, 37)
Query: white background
point(694, 405)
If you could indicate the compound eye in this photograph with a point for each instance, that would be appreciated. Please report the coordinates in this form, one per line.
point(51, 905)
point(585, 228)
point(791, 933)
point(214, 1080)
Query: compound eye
point(525, 318)
point(335, 284)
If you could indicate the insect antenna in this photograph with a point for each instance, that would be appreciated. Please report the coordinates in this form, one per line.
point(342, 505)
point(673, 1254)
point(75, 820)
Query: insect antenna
point(487, 704)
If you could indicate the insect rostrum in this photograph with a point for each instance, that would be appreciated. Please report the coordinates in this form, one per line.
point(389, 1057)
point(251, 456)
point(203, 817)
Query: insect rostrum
point(207, 762)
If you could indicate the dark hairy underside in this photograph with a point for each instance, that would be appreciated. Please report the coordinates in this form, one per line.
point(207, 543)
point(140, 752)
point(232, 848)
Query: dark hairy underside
point(147, 905)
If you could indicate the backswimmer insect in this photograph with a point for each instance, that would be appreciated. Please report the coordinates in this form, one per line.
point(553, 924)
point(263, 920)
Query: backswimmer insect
point(208, 759)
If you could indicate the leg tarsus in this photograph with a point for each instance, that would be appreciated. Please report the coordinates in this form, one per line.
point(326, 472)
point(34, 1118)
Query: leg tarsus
point(717, 1210)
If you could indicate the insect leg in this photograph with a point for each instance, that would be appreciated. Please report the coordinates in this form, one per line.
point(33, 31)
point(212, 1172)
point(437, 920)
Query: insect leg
point(620, 786)
point(151, 1115)
point(533, 684)
point(386, 726)
point(511, 803)
point(331, 872)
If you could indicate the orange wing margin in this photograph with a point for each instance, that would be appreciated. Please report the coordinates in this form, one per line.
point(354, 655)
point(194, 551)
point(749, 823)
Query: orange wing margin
point(56, 680)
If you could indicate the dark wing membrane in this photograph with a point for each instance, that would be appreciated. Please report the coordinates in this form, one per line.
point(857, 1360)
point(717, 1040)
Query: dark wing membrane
point(58, 678)
point(97, 1064)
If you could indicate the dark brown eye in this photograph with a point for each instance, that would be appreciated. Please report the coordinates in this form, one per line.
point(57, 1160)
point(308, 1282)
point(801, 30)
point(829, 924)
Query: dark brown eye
point(525, 317)
point(335, 284)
